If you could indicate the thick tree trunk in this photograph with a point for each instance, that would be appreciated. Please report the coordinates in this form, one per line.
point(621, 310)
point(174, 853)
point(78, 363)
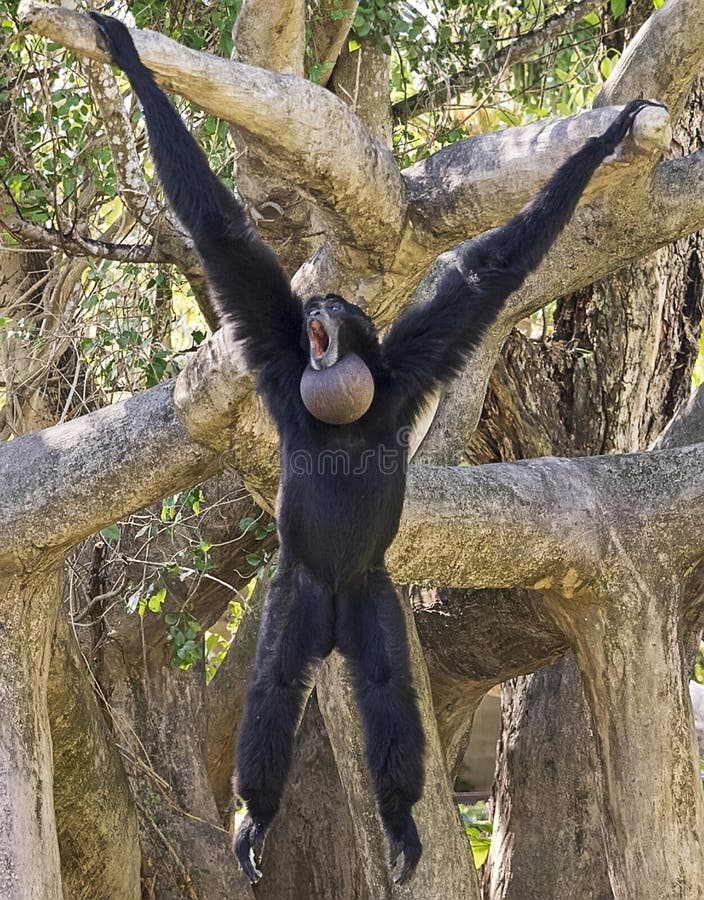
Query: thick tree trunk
point(361, 79)
point(635, 666)
point(158, 712)
point(29, 850)
point(96, 818)
point(552, 785)
point(185, 850)
point(617, 368)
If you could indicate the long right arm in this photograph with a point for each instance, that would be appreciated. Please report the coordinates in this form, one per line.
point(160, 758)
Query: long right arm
point(248, 285)
point(429, 344)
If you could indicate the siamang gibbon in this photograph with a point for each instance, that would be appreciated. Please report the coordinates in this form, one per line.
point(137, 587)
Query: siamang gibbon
point(335, 523)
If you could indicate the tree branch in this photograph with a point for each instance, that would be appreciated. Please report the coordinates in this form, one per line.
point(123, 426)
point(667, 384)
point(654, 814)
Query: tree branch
point(536, 524)
point(546, 524)
point(273, 30)
point(315, 141)
point(478, 183)
point(130, 454)
point(662, 60)
point(517, 50)
point(128, 168)
point(634, 218)
point(329, 34)
point(686, 426)
point(78, 245)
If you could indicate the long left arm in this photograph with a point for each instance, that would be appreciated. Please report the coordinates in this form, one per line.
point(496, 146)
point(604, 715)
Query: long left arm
point(248, 286)
point(429, 344)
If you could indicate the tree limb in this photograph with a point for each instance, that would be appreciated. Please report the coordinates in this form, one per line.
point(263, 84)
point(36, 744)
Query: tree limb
point(273, 29)
point(635, 217)
point(110, 456)
point(128, 167)
point(478, 183)
point(479, 175)
point(316, 142)
point(329, 34)
point(547, 524)
point(80, 245)
point(687, 425)
point(529, 524)
point(662, 60)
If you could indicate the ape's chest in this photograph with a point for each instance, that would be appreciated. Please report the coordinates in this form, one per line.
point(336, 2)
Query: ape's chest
point(339, 508)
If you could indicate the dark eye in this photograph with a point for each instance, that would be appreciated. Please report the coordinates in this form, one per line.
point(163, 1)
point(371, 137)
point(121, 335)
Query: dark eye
point(335, 307)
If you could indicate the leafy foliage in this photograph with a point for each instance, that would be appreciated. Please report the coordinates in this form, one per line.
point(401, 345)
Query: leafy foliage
point(698, 673)
point(453, 49)
point(478, 829)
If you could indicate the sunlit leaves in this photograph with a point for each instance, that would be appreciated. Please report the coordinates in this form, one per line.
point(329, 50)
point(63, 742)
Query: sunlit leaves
point(450, 47)
point(478, 829)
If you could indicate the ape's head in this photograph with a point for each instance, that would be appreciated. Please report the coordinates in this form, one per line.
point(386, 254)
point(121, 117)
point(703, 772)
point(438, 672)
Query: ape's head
point(337, 386)
point(334, 327)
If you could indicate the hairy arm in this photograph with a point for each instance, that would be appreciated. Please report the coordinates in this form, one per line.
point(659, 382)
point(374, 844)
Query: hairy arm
point(248, 286)
point(429, 344)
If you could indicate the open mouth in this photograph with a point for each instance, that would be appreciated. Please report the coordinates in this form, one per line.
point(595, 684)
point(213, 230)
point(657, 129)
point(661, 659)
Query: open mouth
point(319, 340)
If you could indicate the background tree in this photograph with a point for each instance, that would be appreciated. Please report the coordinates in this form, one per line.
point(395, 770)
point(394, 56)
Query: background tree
point(102, 297)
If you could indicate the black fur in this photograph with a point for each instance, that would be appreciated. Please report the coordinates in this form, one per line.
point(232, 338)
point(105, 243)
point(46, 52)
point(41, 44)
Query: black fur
point(342, 487)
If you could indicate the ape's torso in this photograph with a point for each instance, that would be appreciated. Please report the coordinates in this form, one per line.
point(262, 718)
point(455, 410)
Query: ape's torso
point(341, 493)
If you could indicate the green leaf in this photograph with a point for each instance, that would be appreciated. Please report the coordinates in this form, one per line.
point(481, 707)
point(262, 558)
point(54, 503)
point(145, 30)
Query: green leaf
point(607, 64)
point(111, 533)
point(480, 850)
point(156, 600)
point(617, 7)
point(177, 636)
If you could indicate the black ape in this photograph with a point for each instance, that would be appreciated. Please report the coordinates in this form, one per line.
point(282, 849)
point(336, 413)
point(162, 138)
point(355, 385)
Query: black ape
point(342, 486)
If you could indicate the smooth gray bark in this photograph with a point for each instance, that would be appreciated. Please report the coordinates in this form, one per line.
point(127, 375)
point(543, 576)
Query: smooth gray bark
point(92, 798)
point(29, 850)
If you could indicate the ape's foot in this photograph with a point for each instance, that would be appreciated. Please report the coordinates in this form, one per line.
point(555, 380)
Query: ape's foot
point(249, 842)
point(404, 843)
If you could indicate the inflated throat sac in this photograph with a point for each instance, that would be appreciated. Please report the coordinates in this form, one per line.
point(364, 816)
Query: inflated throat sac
point(340, 394)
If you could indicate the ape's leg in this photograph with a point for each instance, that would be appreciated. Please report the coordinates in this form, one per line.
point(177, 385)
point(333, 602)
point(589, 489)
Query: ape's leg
point(297, 628)
point(371, 633)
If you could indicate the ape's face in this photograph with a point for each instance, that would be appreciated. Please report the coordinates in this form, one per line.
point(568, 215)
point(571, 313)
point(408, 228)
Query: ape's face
point(334, 327)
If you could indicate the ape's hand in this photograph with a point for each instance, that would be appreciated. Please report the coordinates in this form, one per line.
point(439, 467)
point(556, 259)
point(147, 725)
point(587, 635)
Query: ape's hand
point(618, 130)
point(119, 44)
